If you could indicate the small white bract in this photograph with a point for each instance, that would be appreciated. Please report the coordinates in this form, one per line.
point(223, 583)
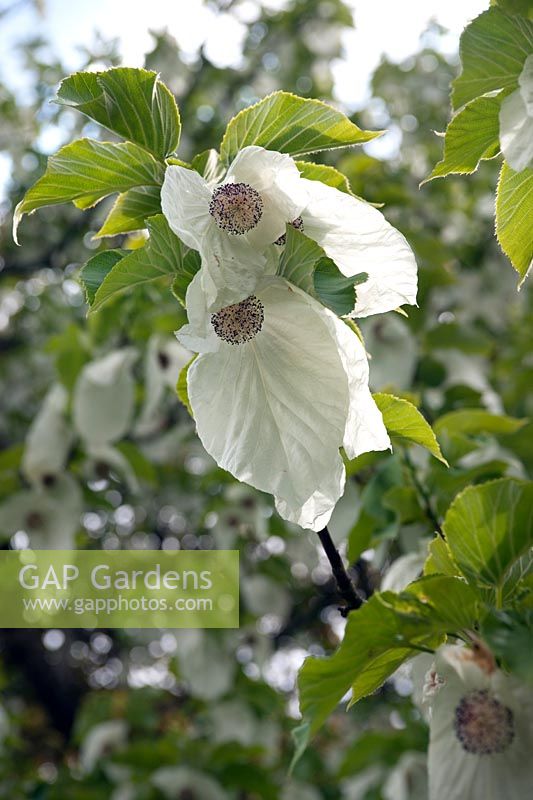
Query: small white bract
point(233, 225)
point(280, 385)
point(481, 735)
point(516, 121)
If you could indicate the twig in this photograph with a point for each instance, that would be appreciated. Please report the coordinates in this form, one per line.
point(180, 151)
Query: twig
point(345, 586)
point(423, 495)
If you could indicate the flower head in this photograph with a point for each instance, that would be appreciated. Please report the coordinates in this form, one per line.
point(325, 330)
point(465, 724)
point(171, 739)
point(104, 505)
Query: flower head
point(480, 728)
point(233, 223)
point(516, 121)
point(280, 385)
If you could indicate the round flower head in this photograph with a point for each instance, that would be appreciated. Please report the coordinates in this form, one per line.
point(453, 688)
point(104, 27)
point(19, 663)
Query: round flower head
point(233, 223)
point(280, 385)
point(481, 733)
point(516, 121)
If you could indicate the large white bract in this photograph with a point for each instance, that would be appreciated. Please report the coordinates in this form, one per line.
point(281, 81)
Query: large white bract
point(279, 386)
point(516, 121)
point(234, 224)
point(481, 735)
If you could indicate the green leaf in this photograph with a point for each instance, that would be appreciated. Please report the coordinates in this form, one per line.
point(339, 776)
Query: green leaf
point(130, 211)
point(299, 258)
point(476, 420)
point(510, 637)
point(300, 736)
point(458, 430)
point(87, 171)
point(131, 102)
point(488, 528)
point(493, 49)
point(403, 500)
point(292, 125)
point(141, 466)
point(406, 424)
point(95, 270)
point(162, 256)
point(71, 352)
point(471, 136)
point(440, 559)
point(328, 175)
point(304, 263)
point(191, 264)
point(514, 212)
point(181, 386)
point(334, 289)
point(379, 636)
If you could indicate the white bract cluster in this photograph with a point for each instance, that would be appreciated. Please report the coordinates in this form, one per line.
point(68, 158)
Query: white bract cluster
point(102, 412)
point(481, 731)
point(516, 121)
point(281, 382)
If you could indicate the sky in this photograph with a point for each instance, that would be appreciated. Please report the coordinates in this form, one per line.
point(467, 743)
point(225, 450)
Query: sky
point(390, 27)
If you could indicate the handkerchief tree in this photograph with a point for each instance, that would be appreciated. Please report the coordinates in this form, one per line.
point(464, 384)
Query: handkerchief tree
point(273, 259)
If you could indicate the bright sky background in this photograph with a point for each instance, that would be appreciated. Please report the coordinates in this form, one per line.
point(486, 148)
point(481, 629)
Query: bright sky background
point(383, 26)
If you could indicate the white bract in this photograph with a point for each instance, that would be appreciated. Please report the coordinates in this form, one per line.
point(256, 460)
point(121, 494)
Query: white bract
point(164, 360)
point(101, 740)
point(233, 225)
point(48, 440)
point(516, 121)
point(358, 238)
point(178, 782)
point(104, 398)
point(279, 386)
point(103, 408)
point(50, 516)
point(481, 729)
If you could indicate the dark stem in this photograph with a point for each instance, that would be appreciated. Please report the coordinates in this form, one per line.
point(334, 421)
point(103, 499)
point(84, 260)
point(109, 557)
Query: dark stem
point(423, 495)
point(345, 586)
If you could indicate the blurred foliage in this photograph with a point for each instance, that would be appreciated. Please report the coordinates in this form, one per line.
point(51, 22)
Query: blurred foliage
point(220, 706)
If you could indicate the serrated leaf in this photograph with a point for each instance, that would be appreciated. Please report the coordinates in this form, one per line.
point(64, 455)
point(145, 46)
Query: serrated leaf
point(96, 269)
point(162, 256)
point(86, 171)
point(514, 212)
point(404, 422)
point(191, 264)
point(440, 559)
point(488, 528)
point(471, 136)
point(328, 175)
point(379, 636)
point(130, 211)
point(131, 102)
point(493, 49)
point(334, 289)
point(291, 124)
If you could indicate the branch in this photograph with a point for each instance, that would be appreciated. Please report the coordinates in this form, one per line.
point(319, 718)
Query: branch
point(345, 587)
